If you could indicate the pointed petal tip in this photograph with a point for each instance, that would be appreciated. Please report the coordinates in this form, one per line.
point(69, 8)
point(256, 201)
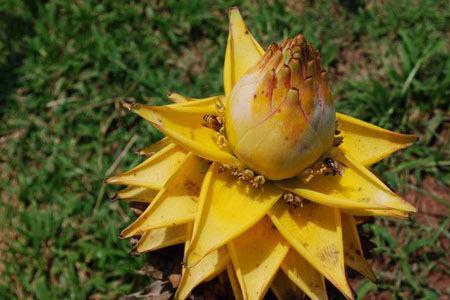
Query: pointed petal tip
point(130, 105)
point(112, 180)
point(412, 209)
point(349, 295)
point(242, 51)
point(408, 139)
point(412, 138)
point(128, 232)
point(368, 143)
point(176, 98)
point(404, 207)
point(235, 19)
point(143, 153)
point(345, 289)
point(371, 275)
point(233, 10)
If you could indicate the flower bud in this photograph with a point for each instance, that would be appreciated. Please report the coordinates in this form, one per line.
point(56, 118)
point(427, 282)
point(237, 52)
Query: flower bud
point(280, 115)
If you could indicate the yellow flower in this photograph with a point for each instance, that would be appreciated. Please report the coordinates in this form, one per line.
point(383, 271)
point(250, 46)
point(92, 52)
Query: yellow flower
point(208, 186)
point(280, 115)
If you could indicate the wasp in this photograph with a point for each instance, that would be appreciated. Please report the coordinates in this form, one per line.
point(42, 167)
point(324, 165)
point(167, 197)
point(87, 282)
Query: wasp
point(293, 200)
point(328, 167)
point(246, 175)
point(338, 140)
point(212, 121)
point(258, 181)
point(334, 167)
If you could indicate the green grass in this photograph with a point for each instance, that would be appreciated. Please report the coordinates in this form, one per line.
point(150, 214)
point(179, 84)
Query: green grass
point(64, 66)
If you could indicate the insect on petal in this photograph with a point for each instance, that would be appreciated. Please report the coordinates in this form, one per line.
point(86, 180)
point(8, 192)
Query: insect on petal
point(356, 188)
point(184, 125)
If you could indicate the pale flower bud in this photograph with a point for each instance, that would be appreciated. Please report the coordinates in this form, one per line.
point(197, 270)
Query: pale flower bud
point(280, 116)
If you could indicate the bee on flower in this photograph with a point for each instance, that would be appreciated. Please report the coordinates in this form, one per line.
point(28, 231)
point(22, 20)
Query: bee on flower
point(260, 183)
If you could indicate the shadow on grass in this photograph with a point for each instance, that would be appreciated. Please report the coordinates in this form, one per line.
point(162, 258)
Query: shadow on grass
point(13, 32)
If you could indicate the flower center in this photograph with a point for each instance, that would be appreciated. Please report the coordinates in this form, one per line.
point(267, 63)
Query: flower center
point(325, 165)
point(280, 116)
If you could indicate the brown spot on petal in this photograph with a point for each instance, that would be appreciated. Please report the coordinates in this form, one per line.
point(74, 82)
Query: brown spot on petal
point(329, 254)
point(192, 188)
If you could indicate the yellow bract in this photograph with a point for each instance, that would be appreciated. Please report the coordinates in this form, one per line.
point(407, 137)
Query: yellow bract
point(208, 104)
point(252, 233)
point(393, 213)
point(308, 279)
point(154, 171)
point(208, 267)
point(138, 194)
point(257, 255)
point(234, 282)
point(153, 148)
point(185, 126)
point(226, 209)
point(162, 237)
point(284, 288)
point(352, 248)
point(242, 52)
point(315, 232)
point(357, 188)
point(176, 203)
point(367, 143)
